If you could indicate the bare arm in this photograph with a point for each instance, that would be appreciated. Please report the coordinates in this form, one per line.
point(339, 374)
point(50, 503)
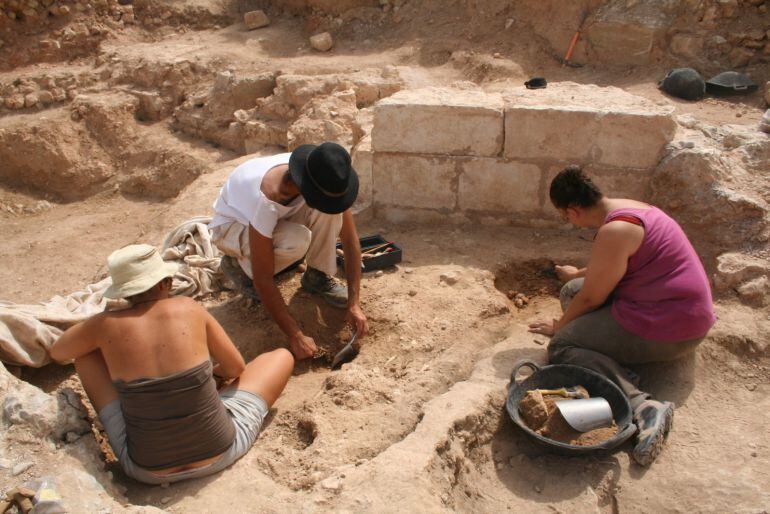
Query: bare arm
point(262, 266)
point(352, 249)
point(614, 244)
point(76, 341)
point(567, 272)
point(230, 363)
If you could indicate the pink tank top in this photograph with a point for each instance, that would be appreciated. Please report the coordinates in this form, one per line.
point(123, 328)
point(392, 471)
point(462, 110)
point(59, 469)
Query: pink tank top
point(664, 295)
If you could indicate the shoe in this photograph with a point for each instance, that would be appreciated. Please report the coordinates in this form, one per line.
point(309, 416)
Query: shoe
point(318, 282)
point(654, 420)
point(235, 274)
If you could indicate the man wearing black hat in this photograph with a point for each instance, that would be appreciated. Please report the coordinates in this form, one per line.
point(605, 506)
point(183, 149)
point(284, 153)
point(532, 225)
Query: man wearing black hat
point(273, 211)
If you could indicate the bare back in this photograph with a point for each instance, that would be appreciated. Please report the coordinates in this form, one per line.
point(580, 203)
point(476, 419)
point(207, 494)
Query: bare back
point(156, 339)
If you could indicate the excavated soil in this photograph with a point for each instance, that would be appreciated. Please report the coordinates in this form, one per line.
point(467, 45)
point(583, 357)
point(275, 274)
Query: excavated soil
point(541, 415)
point(156, 113)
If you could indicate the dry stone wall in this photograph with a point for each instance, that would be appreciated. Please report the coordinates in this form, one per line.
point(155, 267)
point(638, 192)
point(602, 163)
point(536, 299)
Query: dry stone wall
point(461, 155)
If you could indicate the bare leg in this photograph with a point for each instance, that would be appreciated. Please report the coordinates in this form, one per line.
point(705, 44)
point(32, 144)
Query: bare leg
point(267, 375)
point(96, 380)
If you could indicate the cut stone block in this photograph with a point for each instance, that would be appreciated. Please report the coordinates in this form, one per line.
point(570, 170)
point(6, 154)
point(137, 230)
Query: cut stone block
point(439, 121)
point(613, 182)
point(422, 181)
point(362, 160)
point(500, 186)
point(413, 215)
point(583, 124)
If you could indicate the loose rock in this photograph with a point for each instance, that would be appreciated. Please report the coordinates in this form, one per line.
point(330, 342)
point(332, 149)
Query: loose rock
point(449, 278)
point(21, 467)
point(332, 484)
point(255, 20)
point(322, 42)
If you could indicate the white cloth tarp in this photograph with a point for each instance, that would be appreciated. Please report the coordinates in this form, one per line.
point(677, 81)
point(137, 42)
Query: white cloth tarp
point(28, 331)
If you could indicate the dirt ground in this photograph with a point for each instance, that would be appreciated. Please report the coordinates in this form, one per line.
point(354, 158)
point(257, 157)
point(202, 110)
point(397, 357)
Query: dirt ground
point(417, 420)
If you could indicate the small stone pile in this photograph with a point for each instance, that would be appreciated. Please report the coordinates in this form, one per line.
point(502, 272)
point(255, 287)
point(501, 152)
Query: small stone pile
point(40, 12)
point(39, 92)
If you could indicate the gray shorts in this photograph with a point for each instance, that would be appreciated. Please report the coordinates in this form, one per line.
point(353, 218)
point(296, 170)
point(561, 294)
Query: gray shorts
point(247, 410)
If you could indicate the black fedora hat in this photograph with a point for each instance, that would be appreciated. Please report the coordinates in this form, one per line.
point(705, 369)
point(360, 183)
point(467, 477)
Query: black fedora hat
point(324, 176)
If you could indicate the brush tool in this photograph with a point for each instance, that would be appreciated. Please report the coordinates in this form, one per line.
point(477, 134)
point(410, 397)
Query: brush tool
point(566, 392)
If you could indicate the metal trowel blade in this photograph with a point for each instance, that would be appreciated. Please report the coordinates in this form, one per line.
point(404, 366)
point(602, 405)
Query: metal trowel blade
point(347, 354)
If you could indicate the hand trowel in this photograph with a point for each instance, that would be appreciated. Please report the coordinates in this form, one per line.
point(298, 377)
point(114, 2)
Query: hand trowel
point(347, 354)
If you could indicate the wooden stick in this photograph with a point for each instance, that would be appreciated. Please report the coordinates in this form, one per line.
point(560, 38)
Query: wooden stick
point(375, 248)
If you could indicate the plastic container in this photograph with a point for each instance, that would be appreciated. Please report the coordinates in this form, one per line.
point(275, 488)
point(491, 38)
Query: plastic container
point(47, 500)
point(388, 253)
point(556, 376)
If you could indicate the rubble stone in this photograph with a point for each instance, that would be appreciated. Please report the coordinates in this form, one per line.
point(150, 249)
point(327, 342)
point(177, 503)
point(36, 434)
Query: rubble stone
point(44, 414)
point(326, 118)
point(322, 42)
point(740, 57)
point(31, 100)
point(14, 102)
point(255, 19)
point(736, 269)
point(688, 46)
point(45, 97)
point(755, 292)
point(471, 123)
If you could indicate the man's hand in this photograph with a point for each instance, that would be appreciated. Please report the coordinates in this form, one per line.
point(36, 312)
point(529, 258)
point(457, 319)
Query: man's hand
point(547, 328)
point(357, 321)
point(567, 273)
point(302, 346)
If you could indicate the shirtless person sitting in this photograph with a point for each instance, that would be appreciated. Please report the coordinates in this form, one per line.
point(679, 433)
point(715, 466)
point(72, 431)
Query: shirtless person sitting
point(148, 373)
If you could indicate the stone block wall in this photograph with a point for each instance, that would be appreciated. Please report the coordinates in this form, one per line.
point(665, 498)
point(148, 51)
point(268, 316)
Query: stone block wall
point(467, 155)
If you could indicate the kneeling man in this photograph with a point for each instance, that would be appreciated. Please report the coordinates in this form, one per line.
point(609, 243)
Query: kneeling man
point(147, 371)
point(275, 211)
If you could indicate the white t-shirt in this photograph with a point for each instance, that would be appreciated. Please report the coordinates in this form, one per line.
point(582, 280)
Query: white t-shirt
point(242, 200)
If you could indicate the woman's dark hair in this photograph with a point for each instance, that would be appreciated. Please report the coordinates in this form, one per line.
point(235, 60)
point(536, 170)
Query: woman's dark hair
point(572, 188)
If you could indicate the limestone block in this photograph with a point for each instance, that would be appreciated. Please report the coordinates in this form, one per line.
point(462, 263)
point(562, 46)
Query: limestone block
point(439, 121)
point(255, 19)
point(363, 160)
point(574, 123)
point(499, 185)
point(415, 215)
point(421, 181)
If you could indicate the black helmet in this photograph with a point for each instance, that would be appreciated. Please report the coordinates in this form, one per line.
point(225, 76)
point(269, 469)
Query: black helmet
point(683, 83)
point(730, 82)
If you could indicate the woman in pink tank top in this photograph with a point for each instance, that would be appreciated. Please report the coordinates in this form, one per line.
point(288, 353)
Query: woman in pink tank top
point(644, 297)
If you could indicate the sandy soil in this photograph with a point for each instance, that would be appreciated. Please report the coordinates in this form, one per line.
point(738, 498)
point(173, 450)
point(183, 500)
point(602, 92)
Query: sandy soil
point(417, 420)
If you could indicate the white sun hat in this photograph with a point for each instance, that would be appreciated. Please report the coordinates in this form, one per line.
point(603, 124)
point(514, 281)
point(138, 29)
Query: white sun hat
point(135, 269)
